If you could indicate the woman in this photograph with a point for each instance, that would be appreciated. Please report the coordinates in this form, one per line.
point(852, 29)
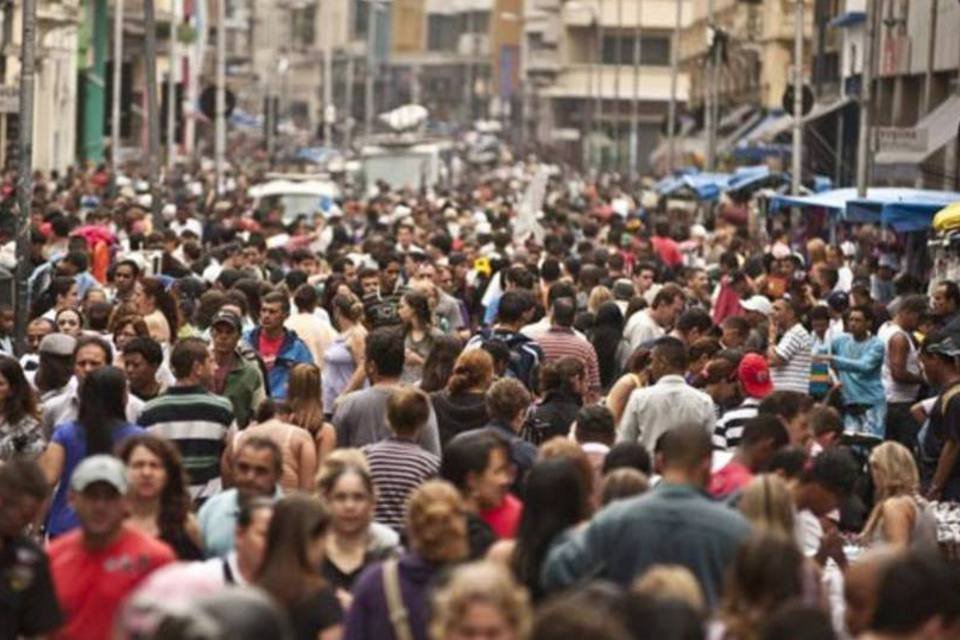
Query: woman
point(296, 444)
point(158, 308)
point(21, 434)
point(343, 361)
point(635, 377)
point(554, 501)
point(437, 530)
point(900, 517)
point(462, 405)
point(62, 293)
point(355, 540)
point(439, 364)
point(419, 334)
point(100, 425)
point(605, 336)
point(290, 574)
point(480, 600)
point(157, 497)
point(768, 572)
point(766, 503)
point(562, 383)
point(305, 408)
point(69, 321)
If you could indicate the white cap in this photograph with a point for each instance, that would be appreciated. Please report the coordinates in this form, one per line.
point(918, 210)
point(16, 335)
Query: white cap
point(760, 304)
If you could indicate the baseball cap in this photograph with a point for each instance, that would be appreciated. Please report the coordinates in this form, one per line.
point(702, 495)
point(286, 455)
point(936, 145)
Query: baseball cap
point(227, 317)
point(58, 344)
point(754, 375)
point(100, 468)
point(760, 304)
point(948, 346)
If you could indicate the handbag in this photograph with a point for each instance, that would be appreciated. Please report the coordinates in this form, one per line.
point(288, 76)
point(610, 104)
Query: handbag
point(399, 617)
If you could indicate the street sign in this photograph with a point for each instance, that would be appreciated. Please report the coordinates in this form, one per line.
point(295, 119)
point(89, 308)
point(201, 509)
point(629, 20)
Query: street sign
point(9, 99)
point(900, 139)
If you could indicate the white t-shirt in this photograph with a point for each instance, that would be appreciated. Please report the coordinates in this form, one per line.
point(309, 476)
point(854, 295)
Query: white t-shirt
point(795, 349)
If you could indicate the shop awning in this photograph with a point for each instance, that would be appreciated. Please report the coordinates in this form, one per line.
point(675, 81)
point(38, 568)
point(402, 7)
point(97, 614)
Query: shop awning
point(940, 126)
point(702, 186)
point(849, 19)
point(903, 209)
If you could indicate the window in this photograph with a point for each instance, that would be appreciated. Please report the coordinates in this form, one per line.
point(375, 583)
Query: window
point(441, 32)
point(654, 50)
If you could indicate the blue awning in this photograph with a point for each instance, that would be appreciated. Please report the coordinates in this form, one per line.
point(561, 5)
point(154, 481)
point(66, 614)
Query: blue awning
point(849, 19)
point(703, 186)
point(752, 177)
point(903, 209)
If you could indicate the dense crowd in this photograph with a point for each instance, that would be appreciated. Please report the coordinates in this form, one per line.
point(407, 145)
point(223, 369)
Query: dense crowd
point(408, 417)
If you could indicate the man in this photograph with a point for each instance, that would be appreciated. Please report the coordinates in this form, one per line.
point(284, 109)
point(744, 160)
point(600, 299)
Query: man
point(279, 348)
point(30, 606)
point(315, 334)
point(698, 290)
point(398, 465)
point(736, 331)
point(861, 582)
point(37, 330)
point(360, 416)
point(76, 264)
point(89, 354)
point(669, 403)
point(645, 281)
point(185, 220)
point(237, 375)
point(826, 481)
point(939, 445)
point(515, 309)
point(757, 311)
point(901, 369)
point(666, 247)
point(762, 437)
point(560, 342)
point(651, 323)
point(142, 358)
point(256, 471)
point(507, 403)
point(240, 565)
point(192, 418)
point(692, 325)
point(556, 291)
point(790, 357)
point(98, 565)
point(672, 524)
point(450, 317)
point(125, 276)
point(753, 383)
point(945, 305)
point(857, 357)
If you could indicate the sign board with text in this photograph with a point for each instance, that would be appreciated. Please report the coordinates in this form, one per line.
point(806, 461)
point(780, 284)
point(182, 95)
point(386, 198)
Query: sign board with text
point(899, 139)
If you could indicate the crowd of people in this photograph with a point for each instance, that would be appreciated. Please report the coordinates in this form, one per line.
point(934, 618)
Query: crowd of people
point(406, 419)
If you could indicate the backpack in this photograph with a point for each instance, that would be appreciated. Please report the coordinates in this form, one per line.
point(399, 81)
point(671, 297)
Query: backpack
point(525, 354)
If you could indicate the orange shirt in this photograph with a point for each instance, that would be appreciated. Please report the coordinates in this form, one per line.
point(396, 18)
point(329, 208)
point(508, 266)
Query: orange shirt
point(91, 585)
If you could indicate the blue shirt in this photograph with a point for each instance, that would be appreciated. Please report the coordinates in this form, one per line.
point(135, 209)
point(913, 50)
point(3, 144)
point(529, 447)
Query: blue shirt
point(218, 522)
point(858, 366)
point(71, 437)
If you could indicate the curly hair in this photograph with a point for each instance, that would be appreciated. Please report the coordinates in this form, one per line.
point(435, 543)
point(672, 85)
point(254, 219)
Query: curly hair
point(174, 499)
point(480, 582)
point(436, 522)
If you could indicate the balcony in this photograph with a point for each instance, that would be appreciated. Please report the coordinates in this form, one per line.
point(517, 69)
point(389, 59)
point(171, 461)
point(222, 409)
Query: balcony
point(651, 14)
point(583, 81)
point(543, 61)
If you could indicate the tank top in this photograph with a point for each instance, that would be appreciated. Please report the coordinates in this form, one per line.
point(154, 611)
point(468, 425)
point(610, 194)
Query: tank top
point(338, 368)
point(898, 392)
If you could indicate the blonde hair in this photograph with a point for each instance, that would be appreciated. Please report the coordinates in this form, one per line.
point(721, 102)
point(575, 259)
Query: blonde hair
point(436, 522)
point(303, 398)
point(598, 296)
point(894, 475)
point(480, 582)
point(670, 582)
point(338, 461)
point(766, 502)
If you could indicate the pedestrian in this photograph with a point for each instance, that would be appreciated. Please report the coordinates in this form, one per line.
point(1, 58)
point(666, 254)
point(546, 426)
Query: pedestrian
point(21, 434)
point(461, 405)
point(278, 347)
point(480, 598)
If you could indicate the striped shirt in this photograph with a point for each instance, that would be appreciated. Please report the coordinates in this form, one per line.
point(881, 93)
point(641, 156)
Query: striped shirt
point(197, 422)
point(729, 429)
point(561, 342)
point(398, 467)
point(795, 348)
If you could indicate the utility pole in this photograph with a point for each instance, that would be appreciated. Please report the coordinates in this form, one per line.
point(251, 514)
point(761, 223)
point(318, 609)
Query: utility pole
point(599, 119)
point(348, 106)
point(25, 182)
point(710, 92)
point(863, 143)
point(616, 87)
point(468, 87)
point(635, 114)
point(931, 58)
point(797, 169)
point(674, 72)
point(172, 88)
point(220, 140)
point(329, 111)
point(370, 78)
point(153, 115)
point(117, 83)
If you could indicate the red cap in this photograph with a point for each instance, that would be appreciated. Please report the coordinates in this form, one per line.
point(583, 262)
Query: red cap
point(754, 375)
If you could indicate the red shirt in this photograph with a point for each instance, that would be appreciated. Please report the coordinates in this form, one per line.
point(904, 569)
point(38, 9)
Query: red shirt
point(504, 519)
point(732, 477)
point(269, 348)
point(91, 585)
point(668, 250)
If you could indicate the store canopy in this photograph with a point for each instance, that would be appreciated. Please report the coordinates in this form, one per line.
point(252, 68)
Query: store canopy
point(749, 178)
point(903, 209)
point(940, 127)
point(703, 186)
point(849, 19)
